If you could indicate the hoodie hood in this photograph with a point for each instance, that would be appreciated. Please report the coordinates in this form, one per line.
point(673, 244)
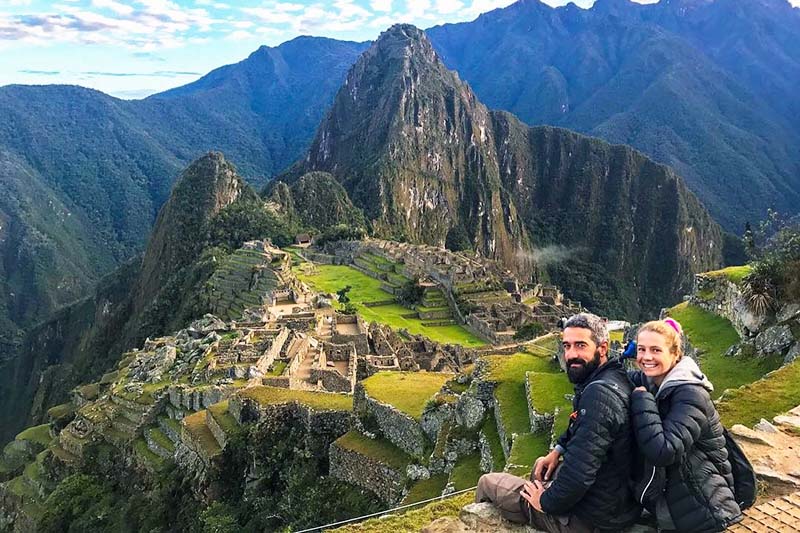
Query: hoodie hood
point(685, 372)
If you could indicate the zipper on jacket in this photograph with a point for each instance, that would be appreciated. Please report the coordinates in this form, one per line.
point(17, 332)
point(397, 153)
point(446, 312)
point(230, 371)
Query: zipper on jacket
point(652, 477)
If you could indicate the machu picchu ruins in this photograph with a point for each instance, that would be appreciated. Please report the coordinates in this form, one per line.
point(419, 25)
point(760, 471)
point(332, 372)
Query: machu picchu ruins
point(387, 409)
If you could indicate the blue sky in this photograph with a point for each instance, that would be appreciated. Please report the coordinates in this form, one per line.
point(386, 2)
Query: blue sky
point(132, 48)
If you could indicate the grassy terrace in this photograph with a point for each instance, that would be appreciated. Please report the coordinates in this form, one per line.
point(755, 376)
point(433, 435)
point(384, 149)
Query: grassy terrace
point(380, 450)
point(61, 410)
point(525, 450)
point(773, 395)
point(413, 520)
point(141, 449)
point(714, 335)
point(323, 401)
point(734, 274)
point(219, 411)
point(195, 424)
point(426, 489)
point(149, 390)
point(489, 429)
point(466, 472)
point(277, 368)
point(406, 391)
point(37, 434)
point(548, 390)
point(509, 371)
point(331, 278)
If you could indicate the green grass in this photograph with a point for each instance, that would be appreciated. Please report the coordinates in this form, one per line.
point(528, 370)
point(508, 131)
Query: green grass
point(195, 423)
point(408, 392)
point(714, 335)
point(616, 335)
point(525, 450)
point(219, 411)
point(331, 278)
point(425, 489)
point(548, 390)
point(277, 368)
point(161, 439)
point(38, 434)
point(413, 520)
point(141, 449)
point(509, 372)
point(466, 472)
point(109, 378)
point(90, 391)
point(21, 488)
point(380, 450)
point(61, 411)
point(32, 471)
point(774, 394)
point(323, 401)
point(734, 274)
point(489, 429)
point(174, 425)
point(147, 397)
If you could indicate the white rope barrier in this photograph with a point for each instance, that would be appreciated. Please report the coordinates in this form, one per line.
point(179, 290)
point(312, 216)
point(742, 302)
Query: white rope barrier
point(381, 513)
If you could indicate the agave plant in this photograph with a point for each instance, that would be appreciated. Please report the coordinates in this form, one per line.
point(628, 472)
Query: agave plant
point(759, 289)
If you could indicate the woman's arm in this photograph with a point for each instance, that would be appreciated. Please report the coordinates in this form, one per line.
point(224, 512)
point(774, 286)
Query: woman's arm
point(664, 442)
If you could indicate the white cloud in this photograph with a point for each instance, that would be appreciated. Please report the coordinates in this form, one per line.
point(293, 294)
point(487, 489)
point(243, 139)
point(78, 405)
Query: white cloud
point(116, 7)
point(382, 6)
point(239, 35)
point(446, 7)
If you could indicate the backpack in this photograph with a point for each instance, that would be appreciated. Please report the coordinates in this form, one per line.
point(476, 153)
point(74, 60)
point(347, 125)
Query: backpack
point(745, 485)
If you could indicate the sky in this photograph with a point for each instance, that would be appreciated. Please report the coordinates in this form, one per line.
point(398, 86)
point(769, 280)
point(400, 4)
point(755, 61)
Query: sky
point(134, 48)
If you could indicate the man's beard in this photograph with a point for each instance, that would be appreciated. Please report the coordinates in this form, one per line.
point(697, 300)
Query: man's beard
point(579, 374)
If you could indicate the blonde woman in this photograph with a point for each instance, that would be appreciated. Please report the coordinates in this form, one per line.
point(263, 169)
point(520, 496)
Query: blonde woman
point(687, 481)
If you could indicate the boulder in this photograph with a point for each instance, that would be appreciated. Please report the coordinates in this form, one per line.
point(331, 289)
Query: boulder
point(470, 411)
point(774, 340)
point(792, 354)
point(788, 312)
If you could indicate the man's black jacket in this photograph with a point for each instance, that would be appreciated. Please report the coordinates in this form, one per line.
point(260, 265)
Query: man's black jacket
point(592, 482)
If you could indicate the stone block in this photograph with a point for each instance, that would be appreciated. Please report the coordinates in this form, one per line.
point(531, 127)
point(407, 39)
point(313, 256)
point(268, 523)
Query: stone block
point(773, 340)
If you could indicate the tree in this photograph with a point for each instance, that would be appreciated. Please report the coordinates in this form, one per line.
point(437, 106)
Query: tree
point(342, 293)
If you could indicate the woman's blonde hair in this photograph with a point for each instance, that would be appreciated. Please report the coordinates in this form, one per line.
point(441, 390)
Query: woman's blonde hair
point(670, 329)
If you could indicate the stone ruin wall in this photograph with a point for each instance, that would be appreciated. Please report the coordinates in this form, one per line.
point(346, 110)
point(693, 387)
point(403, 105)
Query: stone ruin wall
point(399, 428)
point(380, 479)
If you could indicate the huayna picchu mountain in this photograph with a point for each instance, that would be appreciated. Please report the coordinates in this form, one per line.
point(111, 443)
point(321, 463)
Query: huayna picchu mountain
point(417, 151)
point(210, 212)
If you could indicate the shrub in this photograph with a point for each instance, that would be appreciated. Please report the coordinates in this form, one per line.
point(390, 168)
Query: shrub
point(531, 330)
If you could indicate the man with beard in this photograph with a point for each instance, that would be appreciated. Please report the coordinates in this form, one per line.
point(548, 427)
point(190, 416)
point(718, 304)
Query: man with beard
point(581, 486)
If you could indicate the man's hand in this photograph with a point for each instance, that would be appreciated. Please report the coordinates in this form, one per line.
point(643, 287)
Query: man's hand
point(532, 492)
point(545, 466)
point(640, 389)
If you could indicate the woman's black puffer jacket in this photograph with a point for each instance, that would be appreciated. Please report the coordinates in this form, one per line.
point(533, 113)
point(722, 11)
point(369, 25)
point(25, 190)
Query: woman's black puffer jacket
point(679, 429)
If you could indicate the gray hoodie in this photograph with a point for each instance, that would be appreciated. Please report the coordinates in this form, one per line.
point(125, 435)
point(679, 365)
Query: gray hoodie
point(686, 371)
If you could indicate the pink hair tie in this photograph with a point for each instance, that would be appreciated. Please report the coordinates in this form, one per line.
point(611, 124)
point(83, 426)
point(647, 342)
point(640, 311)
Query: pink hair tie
point(674, 325)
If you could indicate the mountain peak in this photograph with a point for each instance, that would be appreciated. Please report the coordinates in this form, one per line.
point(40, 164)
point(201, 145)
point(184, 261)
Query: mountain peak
point(208, 185)
point(402, 41)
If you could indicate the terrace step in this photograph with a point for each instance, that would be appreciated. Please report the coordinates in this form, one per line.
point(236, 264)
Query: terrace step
point(63, 455)
point(199, 437)
point(171, 428)
point(159, 443)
